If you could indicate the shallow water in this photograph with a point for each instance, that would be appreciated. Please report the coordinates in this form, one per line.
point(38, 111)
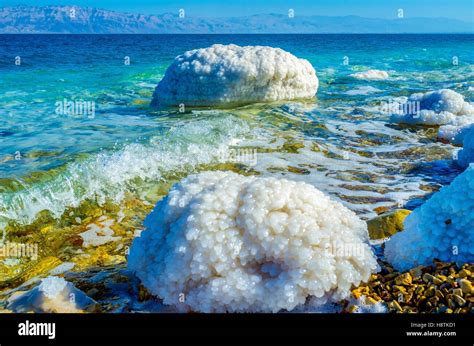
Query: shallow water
point(341, 141)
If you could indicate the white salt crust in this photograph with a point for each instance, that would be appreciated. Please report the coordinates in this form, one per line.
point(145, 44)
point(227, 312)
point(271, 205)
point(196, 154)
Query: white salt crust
point(227, 75)
point(454, 134)
point(52, 286)
point(465, 156)
point(441, 107)
point(441, 228)
point(222, 242)
point(52, 295)
point(371, 75)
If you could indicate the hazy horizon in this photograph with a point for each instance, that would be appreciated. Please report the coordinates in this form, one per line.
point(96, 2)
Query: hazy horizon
point(457, 9)
point(74, 19)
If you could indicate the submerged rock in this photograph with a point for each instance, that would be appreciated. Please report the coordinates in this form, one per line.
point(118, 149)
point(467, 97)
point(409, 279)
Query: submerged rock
point(99, 234)
point(387, 224)
point(32, 270)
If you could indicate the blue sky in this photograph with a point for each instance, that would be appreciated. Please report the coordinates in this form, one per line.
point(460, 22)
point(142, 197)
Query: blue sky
point(459, 9)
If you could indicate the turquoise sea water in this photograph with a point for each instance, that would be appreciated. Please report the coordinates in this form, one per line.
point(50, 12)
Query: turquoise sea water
point(340, 141)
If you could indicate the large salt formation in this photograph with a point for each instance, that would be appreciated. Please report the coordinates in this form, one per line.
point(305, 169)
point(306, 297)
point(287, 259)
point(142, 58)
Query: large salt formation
point(227, 75)
point(441, 107)
point(222, 242)
point(441, 228)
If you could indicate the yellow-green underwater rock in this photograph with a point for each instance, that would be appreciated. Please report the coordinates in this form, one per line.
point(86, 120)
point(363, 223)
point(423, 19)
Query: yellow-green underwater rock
point(29, 271)
point(387, 224)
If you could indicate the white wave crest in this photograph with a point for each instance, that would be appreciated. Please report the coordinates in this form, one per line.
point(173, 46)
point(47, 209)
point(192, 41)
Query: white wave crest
point(111, 174)
point(370, 75)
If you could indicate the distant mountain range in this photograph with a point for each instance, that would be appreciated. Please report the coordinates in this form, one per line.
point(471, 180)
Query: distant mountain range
point(86, 20)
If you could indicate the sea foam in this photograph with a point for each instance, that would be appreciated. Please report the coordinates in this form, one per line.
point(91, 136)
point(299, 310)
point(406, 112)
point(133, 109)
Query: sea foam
point(110, 174)
point(371, 75)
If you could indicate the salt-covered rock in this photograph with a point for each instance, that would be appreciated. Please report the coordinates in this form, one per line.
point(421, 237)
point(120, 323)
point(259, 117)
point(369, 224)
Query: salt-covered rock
point(441, 107)
point(454, 134)
point(371, 75)
point(227, 75)
point(222, 242)
point(387, 224)
point(53, 294)
point(441, 228)
point(465, 156)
